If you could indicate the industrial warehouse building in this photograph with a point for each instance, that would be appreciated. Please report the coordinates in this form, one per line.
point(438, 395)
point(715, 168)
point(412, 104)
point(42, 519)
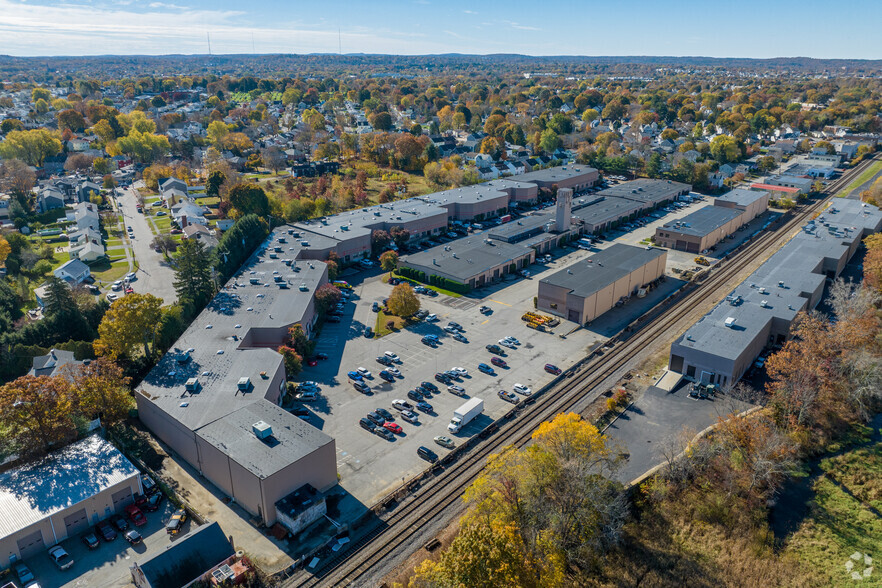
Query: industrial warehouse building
point(704, 228)
point(721, 347)
point(62, 495)
point(591, 287)
point(651, 193)
point(223, 376)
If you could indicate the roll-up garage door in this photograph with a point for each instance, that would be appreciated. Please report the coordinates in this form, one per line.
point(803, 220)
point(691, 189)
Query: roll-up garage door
point(122, 499)
point(76, 522)
point(31, 544)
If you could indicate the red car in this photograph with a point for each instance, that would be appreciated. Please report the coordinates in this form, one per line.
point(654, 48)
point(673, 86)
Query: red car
point(135, 515)
point(552, 369)
point(498, 362)
point(394, 427)
point(312, 362)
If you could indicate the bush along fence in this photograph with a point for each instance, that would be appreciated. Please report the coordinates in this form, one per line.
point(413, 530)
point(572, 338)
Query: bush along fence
point(433, 280)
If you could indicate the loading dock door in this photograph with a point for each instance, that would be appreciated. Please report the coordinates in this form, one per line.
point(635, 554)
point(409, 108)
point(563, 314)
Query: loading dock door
point(31, 544)
point(681, 245)
point(573, 315)
point(692, 248)
point(122, 499)
point(76, 522)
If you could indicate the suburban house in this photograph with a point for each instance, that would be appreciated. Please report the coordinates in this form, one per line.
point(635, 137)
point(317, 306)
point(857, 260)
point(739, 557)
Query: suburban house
point(51, 363)
point(73, 272)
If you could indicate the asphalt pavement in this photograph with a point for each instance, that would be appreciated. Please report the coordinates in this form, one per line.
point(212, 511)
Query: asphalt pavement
point(155, 275)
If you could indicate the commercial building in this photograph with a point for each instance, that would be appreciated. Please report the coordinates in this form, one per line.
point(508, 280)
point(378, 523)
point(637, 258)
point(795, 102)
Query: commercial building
point(185, 561)
point(577, 177)
point(473, 261)
point(62, 495)
point(607, 212)
point(752, 202)
point(700, 230)
point(591, 287)
point(720, 347)
point(800, 184)
point(224, 370)
point(650, 193)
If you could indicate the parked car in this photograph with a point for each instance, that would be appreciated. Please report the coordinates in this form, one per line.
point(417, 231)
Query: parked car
point(495, 349)
point(119, 522)
point(460, 370)
point(384, 360)
point(60, 557)
point(429, 341)
point(401, 405)
point(483, 367)
point(387, 376)
point(552, 369)
point(333, 319)
point(427, 454)
point(445, 442)
point(90, 540)
point(460, 337)
point(394, 371)
point(355, 376)
point(105, 530)
point(456, 326)
point(485, 310)
point(508, 396)
point(133, 537)
point(384, 433)
point(367, 424)
point(429, 386)
point(521, 389)
point(457, 390)
point(176, 523)
point(307, 396)
point(414, 395)
point(410, 416)
point(385, 414)
point(393, 427)
point(364, 372)
point(135, 515)
point(451, 330)
point(24, 573)
point(368, 333)
point(376, 418)
point(362, 387)
point(424, 406)
point(443, 378)
point(375, 307)
point(511, 340)
point(153, 502)
point(431, 318)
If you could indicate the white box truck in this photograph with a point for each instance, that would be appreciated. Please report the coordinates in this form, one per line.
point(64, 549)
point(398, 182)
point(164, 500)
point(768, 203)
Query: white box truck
point(465, 414)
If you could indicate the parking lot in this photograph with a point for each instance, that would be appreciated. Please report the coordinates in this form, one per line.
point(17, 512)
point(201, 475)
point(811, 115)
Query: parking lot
point(108, 564)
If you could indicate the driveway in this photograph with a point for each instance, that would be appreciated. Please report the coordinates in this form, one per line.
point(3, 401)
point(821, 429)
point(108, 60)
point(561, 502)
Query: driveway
point(108, 564)
point(155, 275)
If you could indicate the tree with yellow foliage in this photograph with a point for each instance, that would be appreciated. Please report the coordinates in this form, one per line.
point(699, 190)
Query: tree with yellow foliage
point(130, 321)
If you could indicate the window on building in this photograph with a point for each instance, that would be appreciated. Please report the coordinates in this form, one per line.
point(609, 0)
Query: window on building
point(553, 305)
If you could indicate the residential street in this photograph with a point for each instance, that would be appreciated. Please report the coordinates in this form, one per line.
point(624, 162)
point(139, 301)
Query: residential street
point(155, 276)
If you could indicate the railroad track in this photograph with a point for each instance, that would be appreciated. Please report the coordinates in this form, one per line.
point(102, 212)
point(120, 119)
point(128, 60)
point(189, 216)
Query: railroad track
point(432, 497)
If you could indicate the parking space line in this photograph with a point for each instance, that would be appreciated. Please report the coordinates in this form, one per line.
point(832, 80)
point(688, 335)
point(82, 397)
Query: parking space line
point(485, 322)
point(498, 302)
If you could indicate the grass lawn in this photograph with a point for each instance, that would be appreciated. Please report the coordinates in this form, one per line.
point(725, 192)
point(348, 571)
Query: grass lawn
point(163, 224)
point(429, 286)
point(864, 177)
point(382, 318)
point(114, 243)
point(108, 272)
point(207, 201)
point(844, 519)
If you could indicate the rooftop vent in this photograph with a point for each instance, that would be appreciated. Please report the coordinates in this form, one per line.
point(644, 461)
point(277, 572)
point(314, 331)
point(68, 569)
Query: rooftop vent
point(262, 430)
point(192, 385)
point(764, 303)
point(730, 322)
point(244, 384)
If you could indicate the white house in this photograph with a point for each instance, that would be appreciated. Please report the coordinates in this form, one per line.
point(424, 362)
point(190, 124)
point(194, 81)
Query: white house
point(73, 271)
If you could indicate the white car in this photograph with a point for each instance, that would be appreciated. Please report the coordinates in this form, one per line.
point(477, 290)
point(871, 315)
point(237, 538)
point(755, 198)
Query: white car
point(111, 297)
point(431, 318)
point(394, 357)
point(512, 340)
point(117, 286)
point(61, 558)
point(394, 371)
point(507, 343)
point(521, 389)
point(402, 405)
point(410, 416)
point(365, 373)
point(460, 370)
point(306, 396)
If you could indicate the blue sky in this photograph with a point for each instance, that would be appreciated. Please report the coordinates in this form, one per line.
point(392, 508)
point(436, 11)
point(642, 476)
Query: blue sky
point(771, 28)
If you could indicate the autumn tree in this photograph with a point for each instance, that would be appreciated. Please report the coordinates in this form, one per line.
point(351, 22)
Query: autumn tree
point(17, 178)
point(298, 340)
point(32, 147)
point(71, 119)
point(143, 146)
point(164, 243)
point(5, 249)
point(380, 239)
point(326, 297)
point(403, 301)
point(724, 149)
point(130, 321)
point(389, 261)
point(37, 412)
point(399, 235)
point(249, 198)
point(101, 390)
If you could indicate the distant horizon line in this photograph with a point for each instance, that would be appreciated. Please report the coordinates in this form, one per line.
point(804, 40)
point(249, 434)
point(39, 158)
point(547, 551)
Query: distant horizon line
point(447, 54)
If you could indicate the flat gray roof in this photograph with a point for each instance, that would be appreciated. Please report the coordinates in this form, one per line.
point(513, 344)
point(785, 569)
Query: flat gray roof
point(60, 480)
point(291, 440)
point(605, 267)
point(215, 337)
point(742, 196)
point(609, 208)
point(646, 190)
point(557, 174)
point(702, 221)
point(515, 229)
point(353, 223)
point(467, 257)
point(797, 264)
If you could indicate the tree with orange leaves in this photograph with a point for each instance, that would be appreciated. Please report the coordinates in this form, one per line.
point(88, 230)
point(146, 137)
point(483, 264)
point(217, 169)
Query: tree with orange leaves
point(38, 412)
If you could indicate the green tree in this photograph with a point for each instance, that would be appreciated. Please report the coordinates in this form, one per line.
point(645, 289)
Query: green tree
point(130, 321)
point(549, 141)
point(249, 198)
point(41, 106)
point(143, 146)
point(40, 94)
point(299, 341)
point(71, 119)
point(193, 283)
point(389, 261)
point(101, 165)
point(215, 181)
point(381, 121)
point(724, 149)
point(216, 132)
point(101, 390)
point(237, 244)
point(11, 124)
point(32, 147)
point(589, 115)
point(403, 301)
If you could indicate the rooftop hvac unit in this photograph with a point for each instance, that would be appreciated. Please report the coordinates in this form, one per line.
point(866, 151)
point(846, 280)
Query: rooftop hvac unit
point(763, 291)
point(730, 322)
point(764, 303)
point(192, 385)
point(244, 384)
point(262, 430)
